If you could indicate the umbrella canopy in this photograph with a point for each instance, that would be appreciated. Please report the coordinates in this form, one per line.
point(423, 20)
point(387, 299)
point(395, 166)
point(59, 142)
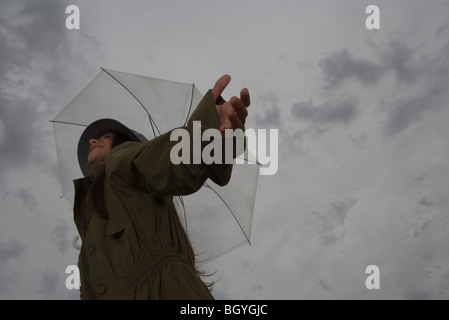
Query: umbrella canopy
point(217, 219)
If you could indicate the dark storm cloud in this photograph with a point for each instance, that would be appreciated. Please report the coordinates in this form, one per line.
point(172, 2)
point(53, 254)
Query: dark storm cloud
point(394, 56)
point(30, 29)
point(32, 49)
point(426, 202)
point(432, 75)
point(341, 66)
point(10, 250)
point(320, 118)
point(410, 67)
point(331, 112)
point(31, 42)
point(406, 111)
point(402, 60)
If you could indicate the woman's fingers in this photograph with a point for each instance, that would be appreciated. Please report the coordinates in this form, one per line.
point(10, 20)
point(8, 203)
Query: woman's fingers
point(233, 113)
point(244, 97)
point(239, 108)
point(220, 85)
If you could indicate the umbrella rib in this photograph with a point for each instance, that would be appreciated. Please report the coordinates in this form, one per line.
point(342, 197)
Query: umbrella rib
point(208, 186)
point(152, 122)
point(71, 123)
point(191, 102)
point(251, 161)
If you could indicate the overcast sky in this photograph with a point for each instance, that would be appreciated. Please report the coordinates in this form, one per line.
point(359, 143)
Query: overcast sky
point(362, 116)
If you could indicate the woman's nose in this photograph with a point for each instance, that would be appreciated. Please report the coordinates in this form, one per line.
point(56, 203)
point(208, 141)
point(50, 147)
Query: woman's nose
point(92, 142)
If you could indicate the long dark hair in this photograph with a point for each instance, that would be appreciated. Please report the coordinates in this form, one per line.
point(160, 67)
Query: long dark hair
point(96, 203)
point(95, 194)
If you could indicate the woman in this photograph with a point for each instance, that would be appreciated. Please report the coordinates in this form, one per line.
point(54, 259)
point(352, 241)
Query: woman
point(134, 246)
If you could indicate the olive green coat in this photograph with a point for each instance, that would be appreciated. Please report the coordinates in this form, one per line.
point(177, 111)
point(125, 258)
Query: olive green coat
point(140, 251)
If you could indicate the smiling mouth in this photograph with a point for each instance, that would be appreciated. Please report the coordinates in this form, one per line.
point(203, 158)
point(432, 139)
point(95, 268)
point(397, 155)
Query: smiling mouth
point(94, 147)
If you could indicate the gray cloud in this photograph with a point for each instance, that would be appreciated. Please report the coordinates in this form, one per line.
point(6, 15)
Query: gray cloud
point(417, 295)
point(330, 224)
point(34, 27)
point(32, 42)
point(426, 202)
point(323, 285)
point(444, 28)
point(399, 58)
point(17, 126)
point(421, 219)
point(359, 140)
point(429, 99)
point(269, 104)
point(59, 236)
point(406, 111)
point(11, 250)
point(27, 199)
point(341, 66)
point(331, 112)
point(394, 56)
point(33, 45)
point(410, 67)
point(49, 283)
point(319, 118)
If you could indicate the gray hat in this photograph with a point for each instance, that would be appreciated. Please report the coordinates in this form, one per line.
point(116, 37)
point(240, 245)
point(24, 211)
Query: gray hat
point(95, 130)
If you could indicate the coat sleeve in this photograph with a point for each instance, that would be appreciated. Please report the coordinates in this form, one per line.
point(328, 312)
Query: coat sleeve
point(150, 164)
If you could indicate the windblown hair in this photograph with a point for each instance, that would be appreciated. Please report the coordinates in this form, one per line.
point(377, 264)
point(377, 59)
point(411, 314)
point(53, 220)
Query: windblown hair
point(95, 194)
point(95, 199)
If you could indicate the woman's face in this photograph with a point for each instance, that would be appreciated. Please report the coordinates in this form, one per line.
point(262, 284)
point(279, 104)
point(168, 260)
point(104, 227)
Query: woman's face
point(99, 148)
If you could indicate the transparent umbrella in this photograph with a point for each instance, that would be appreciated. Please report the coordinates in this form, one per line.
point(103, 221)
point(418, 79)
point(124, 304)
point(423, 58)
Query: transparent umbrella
point(217, 219)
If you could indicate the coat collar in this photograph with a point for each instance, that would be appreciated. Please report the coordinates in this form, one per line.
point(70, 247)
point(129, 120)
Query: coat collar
point(115, 223)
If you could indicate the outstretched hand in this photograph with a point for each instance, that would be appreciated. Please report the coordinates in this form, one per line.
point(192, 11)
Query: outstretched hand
point(232, 113)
